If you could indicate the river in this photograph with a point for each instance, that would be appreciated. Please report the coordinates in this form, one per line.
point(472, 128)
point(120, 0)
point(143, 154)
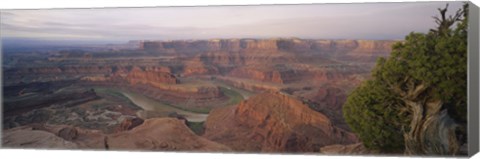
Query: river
point(153, 105)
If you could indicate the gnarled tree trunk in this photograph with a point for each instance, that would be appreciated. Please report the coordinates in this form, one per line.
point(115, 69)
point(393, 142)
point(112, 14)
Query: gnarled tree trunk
point(432, 131)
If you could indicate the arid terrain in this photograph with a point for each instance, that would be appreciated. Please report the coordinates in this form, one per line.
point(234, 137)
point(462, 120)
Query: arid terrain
point(217, 95)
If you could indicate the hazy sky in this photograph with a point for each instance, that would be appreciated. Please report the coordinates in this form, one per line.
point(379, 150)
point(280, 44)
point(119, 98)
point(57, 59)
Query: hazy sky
point(320, 21)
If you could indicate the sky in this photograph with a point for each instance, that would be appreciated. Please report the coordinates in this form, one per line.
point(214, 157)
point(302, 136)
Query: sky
point(319, 21)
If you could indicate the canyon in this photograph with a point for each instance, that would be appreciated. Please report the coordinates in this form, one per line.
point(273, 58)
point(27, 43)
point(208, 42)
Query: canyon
point(293, 45)
point(214, 95)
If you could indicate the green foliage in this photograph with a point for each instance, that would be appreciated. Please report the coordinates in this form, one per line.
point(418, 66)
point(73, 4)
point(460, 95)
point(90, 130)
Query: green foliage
point(373, 112)
point(437, 60)
point(196, 127)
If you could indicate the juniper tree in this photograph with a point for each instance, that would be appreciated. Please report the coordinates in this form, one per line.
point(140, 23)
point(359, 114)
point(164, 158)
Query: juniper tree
point(418, 94)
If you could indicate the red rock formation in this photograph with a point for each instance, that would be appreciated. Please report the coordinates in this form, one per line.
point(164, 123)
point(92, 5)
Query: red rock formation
point(273, 122)
point(330, 97)
point(165, 134)
point(232, 45)
point(372, 47)
point(252, 44)
point(291, 75)
point(245, 58)
point(158, 83)
point(26, 137)
point(196, 46)
point(52, 136)
point(196, 67)
point(129, 124)
point(295, 45)
point(150, 76)
point(199, 96)
point(249, 85)
point(256, 74)
point(68, 133)
point(329, 100)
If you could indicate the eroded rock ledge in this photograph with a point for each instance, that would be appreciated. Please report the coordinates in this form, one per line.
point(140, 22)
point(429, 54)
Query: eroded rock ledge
point(283, 44)
point(273, 122)
point(160, 134)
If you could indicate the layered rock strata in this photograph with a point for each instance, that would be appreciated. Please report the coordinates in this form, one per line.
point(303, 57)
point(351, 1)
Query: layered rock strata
point(273, 122)
point(362, 48)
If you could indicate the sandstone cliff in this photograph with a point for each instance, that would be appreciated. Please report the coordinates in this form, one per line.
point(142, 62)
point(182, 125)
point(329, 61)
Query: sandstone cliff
point(273, 122)
point(53, 136)
point(330, 98)
point(152, 76)
point(26, 137)
point(192, 46)
point(370, 48)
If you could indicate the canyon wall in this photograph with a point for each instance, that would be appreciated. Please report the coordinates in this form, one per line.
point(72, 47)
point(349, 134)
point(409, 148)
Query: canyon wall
point(187, 46)
point(154, 81)
point(360, 47)
point(151, 75)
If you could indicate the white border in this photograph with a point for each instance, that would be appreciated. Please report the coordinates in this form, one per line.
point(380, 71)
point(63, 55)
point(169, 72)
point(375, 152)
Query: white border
point(47, 4)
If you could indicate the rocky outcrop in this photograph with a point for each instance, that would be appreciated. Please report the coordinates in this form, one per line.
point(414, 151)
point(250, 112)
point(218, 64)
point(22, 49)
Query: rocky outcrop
point(327, 47)
point(52, 136)
point(212, 57)
point(248, 84)
point(296, 45)
point(68, 133)
point(338, 47)
point(164, 134)
point(129, 124)
point(273, 122)
point(152, 76)
point(225, 59)
point(254, 44)
point(256, 74)
point(197, 67)
point(330, 97)
point(27, 137)
point(195, 46)
point(287, 75)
